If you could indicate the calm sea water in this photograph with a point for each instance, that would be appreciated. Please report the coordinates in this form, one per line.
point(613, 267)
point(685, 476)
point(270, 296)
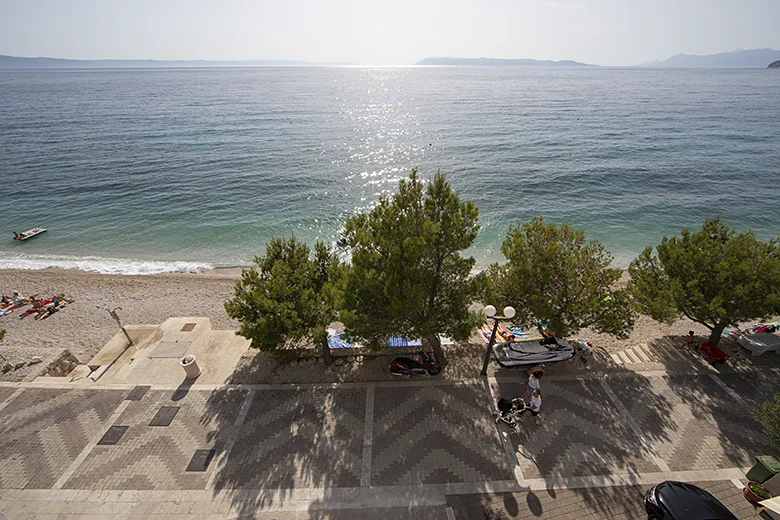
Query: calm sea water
point(164, 170)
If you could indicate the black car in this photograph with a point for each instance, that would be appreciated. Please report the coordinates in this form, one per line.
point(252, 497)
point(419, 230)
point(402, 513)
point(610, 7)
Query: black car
point(671, 500)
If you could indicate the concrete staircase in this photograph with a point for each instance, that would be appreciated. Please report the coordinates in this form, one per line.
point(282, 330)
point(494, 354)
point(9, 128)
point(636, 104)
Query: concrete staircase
point(662, 351)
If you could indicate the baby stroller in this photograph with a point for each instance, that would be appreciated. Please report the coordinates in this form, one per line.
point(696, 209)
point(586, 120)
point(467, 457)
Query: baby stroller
point(510, 411)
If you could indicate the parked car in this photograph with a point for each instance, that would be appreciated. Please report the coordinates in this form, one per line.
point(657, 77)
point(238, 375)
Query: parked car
point(672, 500)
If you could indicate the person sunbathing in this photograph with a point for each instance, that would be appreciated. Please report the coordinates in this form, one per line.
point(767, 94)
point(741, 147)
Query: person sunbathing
point(39, 303)
point(19, 299)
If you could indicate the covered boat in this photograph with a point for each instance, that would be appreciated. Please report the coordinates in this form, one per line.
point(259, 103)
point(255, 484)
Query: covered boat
point(532, 352)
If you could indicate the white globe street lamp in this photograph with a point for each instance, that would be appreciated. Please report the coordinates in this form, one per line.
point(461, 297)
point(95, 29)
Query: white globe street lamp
point(490, 312)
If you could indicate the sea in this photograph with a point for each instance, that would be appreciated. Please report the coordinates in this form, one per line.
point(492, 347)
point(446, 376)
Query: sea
point(149, 171)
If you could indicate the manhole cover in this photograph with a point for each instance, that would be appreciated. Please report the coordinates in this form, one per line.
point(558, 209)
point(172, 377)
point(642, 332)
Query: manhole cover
point(113, 435)
point(188, 327)
point(137, 393)
point(164, 416)
point(200, 461)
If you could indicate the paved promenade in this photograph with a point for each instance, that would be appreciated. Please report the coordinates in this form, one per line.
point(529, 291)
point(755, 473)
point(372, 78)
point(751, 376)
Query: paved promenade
point(419, 450)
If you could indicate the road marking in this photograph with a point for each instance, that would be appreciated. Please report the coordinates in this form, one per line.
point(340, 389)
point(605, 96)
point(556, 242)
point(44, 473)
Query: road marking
point(662, 465)
point(368, 439)
point(450, 513)
point(91, 445)
point(234, 431)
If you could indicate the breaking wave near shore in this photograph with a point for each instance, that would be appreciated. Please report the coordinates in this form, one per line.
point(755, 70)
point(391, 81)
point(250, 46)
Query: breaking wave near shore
point(100, 265)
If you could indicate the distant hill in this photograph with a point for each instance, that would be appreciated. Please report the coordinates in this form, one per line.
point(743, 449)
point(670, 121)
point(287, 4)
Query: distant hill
point(738, 58)
point(15, 62)
point(774, 65)
point(497, 62)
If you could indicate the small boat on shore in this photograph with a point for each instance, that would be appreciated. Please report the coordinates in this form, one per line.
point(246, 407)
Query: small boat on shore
point(34, 232)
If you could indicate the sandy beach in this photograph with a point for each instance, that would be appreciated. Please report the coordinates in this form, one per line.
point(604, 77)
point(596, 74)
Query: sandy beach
point(84, 326)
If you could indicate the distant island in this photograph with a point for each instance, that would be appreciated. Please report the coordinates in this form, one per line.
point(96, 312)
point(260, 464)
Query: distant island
point(16, 62)
point(498, 62)
point(774, 65)
point(757, 58)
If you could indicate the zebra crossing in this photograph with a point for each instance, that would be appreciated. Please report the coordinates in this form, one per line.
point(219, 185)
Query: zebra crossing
point(661, 351)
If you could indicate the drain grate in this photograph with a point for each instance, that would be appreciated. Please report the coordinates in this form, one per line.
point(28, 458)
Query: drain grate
point(201, 460)
point(188, 327)
point(137, 393)
point(113, 435)
point(164, 416)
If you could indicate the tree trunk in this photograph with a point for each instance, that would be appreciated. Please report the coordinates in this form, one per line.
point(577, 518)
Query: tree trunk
point(437, 350)
point(716, 333)
point(326, 353)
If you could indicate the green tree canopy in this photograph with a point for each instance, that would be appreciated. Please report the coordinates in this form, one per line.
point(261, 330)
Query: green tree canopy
point(768, 414)
point(714, 277)
point(408, 277)
point(288, 294)
point(555, 275)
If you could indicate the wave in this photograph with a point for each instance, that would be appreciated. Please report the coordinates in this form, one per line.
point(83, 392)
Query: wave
point(100, 265)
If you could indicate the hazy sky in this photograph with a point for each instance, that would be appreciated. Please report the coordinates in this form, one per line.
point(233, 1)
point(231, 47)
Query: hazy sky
point(399, 32)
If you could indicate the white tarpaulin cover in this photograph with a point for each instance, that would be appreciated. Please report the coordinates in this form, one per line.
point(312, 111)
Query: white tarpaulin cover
point(760, 343)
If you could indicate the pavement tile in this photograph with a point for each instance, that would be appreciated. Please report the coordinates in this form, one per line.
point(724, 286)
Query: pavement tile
point(692, 422)
point(43, 430)
point(582, 433)
point(618, 502)
point(754, 388)
point(308, 437)
point(435, 435)
point(5, 393)
point(155, 457)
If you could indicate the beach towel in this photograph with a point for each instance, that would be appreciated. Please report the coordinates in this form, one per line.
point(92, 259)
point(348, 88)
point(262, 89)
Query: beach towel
point(399, 341)
point(518, 331)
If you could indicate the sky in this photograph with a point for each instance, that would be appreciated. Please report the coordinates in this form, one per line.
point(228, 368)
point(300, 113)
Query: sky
point(397, 32)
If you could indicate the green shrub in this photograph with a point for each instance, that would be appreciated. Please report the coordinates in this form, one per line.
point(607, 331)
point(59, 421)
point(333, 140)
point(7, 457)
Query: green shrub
point(768, 414)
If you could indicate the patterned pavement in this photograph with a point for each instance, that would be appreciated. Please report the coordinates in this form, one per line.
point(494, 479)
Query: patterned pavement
point(755, 388)
point(43, 430)
point(156, 457)
point(434, 435)
point(5, 393)
point(693, 423)
point(613, 503)
point(296, 438)
point(582, 433)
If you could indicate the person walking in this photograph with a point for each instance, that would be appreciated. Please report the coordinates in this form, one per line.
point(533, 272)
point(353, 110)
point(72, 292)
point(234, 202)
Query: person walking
point(534, 374)
point(535, 406)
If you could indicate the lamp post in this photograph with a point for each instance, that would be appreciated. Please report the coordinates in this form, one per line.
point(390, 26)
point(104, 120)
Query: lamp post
point(490, 312)
point(116, 318)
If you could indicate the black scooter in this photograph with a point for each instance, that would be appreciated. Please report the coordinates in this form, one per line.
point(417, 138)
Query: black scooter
point(409, 366)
